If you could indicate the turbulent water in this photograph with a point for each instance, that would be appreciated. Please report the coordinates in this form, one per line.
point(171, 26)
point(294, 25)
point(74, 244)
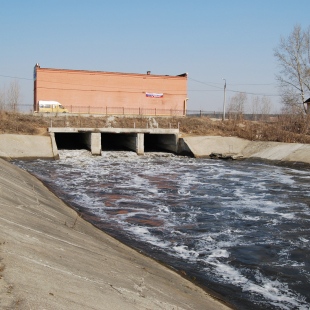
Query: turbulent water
point(239, 228)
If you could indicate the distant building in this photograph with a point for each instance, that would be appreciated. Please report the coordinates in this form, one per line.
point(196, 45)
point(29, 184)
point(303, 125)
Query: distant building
point(308, 105)
point(82, 91)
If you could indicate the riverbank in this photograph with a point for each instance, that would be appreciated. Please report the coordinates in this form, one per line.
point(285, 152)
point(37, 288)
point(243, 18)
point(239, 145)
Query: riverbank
point(14, 146)
point(50, 258)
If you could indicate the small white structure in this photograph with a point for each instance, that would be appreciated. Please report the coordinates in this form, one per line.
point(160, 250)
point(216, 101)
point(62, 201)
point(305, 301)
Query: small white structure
point(307, 102)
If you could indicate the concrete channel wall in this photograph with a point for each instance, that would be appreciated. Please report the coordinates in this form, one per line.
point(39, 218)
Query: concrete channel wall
point(45, 147)
point(28, 147)
point(205, 146)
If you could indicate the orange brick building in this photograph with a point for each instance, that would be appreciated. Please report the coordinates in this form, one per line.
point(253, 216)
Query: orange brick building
point(82, 91)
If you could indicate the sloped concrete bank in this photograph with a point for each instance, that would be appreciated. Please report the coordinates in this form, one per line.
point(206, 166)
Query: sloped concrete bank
point(52, 259)
point(204, 146)
point(28, 147)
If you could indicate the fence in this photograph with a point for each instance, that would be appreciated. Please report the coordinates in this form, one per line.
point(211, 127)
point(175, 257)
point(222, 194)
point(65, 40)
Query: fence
point(104, 111)
point(26, 108)
point(124, 111)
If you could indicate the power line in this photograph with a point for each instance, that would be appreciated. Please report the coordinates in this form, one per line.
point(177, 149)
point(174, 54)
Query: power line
point(205, 90)
point(206, 83)
point(266, 84)
point(16, 77)
point(234, 84)
point(255, 94)
point(237, 91)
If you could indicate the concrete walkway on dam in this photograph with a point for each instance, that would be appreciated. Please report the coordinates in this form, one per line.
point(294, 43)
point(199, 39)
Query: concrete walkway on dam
point(50, 258)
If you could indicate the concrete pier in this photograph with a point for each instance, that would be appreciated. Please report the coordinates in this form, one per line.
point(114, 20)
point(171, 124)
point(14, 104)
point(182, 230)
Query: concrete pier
point(96, 143)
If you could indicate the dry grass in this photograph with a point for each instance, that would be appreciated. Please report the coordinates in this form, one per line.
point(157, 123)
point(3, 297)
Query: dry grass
point(21, 124)
point(293, 128)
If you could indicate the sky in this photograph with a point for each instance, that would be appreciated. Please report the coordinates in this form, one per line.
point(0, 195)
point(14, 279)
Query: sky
point(210, 40)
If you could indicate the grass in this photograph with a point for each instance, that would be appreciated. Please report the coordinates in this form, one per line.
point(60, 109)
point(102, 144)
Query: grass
point(286, 128)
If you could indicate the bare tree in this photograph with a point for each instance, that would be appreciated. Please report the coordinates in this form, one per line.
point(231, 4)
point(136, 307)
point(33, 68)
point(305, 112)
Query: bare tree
point(255, 107)
point(237, 105)
point(2, 99)
point(293, 56)
point(266, 106)
point(13, 96)
point(261, 106)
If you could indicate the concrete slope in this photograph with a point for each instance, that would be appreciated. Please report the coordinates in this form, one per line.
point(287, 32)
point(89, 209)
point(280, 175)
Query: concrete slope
point(27, 147)
point(202, 146)
point(302, 154)
point(52, 259)
point(272, 150)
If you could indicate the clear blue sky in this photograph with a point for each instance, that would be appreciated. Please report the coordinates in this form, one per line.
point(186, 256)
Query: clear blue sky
point(210, 40)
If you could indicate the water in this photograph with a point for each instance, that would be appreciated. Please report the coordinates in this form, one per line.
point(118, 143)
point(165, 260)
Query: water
point(241, 229)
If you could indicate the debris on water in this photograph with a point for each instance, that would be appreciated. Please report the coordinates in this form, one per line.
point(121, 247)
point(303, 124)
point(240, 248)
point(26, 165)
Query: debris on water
point(232, 156)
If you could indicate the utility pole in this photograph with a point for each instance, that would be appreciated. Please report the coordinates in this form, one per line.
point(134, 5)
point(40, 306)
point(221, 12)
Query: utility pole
point(224, 103)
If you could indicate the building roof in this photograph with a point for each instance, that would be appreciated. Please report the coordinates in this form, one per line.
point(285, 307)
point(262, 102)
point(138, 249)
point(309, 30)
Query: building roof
point(112, 73)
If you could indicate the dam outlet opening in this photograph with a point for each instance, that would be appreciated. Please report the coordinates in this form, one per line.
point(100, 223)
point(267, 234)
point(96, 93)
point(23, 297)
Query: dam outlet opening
point(71, 141)
point(97, 142)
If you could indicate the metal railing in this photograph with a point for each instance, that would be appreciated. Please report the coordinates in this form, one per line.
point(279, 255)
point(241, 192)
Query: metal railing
point(124, 111)
point(104, 111)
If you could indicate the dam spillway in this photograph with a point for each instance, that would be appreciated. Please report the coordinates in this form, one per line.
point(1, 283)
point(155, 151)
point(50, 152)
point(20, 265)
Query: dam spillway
point(100, 139)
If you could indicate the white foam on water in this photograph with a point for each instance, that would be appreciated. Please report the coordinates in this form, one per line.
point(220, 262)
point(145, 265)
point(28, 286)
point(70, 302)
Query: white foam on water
point(164, 209)
point(74, 154)
point(219, 253)
point(251, 218)
point(284, 179)
point(296, 264)
point(183, 252)
point(183, 192)
point(144, 234)
point(178, 232)
point(275, 292)
point(118, 154)
point(264, 206)
point(139, 183)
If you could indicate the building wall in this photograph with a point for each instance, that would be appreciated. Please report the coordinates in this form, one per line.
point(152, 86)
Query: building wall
point(81, 90)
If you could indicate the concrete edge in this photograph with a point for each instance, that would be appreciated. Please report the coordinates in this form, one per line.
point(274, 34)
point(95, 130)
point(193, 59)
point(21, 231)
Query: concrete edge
point(54, 146)
point(203, 147)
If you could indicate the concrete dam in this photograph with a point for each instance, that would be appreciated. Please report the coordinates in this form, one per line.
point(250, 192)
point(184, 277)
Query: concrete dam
point(105, 139)
point(18, 146)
